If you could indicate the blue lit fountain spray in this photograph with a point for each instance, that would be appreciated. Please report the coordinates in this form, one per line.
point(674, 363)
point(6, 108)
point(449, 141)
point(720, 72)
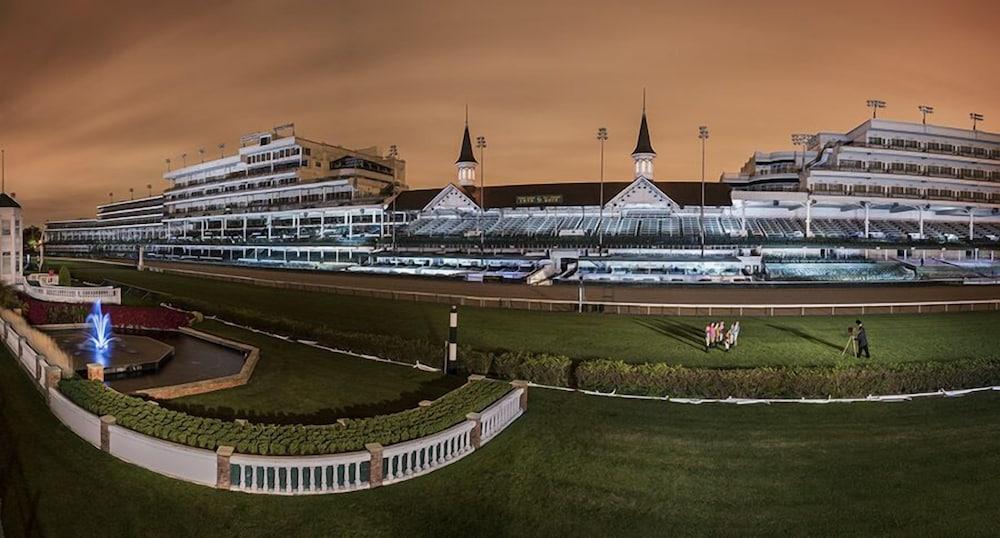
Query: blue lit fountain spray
point(99, 325)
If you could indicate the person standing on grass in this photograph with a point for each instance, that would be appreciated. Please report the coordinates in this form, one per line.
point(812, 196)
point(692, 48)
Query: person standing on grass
point(861, 337)
point(708, 337)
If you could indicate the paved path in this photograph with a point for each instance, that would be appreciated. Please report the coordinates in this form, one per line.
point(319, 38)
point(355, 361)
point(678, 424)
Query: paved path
point(675, 294)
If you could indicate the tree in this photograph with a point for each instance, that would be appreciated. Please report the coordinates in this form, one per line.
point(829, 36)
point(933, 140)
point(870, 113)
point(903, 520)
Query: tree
point(32, 236)
point(64, 277)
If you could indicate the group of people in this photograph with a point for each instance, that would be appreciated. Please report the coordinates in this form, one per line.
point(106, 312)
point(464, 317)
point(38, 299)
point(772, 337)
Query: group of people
point(716, 335)
point(857, 337)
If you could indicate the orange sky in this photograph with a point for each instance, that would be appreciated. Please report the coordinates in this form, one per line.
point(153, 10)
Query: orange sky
point(95, 95)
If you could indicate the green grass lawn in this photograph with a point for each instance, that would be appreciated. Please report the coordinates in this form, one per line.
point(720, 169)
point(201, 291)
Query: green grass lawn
point(296, 379)
point(676, 340)
point(574, 465)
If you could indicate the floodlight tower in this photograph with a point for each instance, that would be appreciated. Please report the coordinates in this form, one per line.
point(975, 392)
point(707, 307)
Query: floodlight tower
point(222, 150)
point(703, 136)
point(602, 137)
point(875, 104)
point(976, 118)
point(924, 111)
point(481, 146)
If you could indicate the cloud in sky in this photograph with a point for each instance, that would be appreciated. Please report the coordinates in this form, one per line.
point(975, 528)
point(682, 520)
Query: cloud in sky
point(95, 95)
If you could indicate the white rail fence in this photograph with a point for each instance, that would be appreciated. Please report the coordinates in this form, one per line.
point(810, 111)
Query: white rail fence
point(64, 294)
point(275, 475)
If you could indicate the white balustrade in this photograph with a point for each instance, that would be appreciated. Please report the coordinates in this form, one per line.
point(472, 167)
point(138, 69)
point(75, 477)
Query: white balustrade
point(299, 475)
point(61, 294)
point(498, 416)
point(418, 456)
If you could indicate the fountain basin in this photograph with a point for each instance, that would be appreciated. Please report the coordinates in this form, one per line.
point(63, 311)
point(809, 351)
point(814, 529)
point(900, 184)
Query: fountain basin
point(160, 362)
point(126, 355)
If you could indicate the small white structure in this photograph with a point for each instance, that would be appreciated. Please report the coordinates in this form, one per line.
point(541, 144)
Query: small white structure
point(11, 247)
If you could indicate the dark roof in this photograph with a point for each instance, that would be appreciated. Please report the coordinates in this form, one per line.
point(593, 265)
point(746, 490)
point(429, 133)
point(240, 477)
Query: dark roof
point(415, 200)
point(684, 193)
point(642, 145)
point(466, 156)
point(7, 201)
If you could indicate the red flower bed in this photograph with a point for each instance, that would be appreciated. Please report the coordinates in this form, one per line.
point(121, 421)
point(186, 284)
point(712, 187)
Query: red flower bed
point(135, 317)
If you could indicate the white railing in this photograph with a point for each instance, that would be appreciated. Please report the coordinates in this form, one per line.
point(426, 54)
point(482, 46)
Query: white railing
point(501, 414)
point(303, 475)
point(60, 294)
point(44, 279)
point(406, 460)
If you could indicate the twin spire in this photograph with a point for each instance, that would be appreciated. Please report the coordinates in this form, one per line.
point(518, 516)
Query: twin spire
point(466, 163)
point(643, 154)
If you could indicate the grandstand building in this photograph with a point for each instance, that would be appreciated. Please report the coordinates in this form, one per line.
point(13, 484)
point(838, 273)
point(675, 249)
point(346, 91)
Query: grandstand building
point(116, 232)
point(280, 199)
point(886, 200)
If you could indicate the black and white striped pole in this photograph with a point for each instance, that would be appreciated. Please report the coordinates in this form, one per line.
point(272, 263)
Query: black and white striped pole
point(452, 354)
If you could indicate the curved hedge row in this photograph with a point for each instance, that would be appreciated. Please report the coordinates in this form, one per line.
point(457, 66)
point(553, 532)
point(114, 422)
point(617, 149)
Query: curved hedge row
point(282, 440)
point(658, 379)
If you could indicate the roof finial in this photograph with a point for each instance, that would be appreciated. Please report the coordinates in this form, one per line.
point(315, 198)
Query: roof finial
point(466, 114)
point(644, 101)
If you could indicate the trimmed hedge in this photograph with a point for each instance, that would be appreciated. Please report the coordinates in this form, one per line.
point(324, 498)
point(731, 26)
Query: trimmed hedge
point(537, 368)
point(283, 440)
point(658, 379)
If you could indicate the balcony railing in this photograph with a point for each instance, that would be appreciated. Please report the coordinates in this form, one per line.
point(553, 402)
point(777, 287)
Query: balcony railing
point(248, 173)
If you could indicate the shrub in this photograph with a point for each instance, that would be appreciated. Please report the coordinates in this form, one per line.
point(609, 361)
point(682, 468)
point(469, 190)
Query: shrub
point(786, 382)
point(65, 279)
point(475, 362)
point(283, 440)
point(538, 368)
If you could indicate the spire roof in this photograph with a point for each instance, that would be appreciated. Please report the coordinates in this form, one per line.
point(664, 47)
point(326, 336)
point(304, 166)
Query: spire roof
point(642, 145)
point(7, 201)
point(466, 156)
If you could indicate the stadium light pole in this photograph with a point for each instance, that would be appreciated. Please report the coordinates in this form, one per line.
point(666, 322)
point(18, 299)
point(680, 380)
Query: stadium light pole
point(3, 171)
point(703, 136)
point(149, 187)
point(184, 160)
point(131, 193)
point(976, 118)
point(924, 111)
point(481, 145)
point(393, 155)
point(168, 165)
point(602, 137)
point(222, 150)
point(875, 104)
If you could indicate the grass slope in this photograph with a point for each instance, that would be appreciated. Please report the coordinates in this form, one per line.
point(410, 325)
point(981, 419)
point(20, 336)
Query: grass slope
point(676, 340)
point(297, 379)
point(573, 465)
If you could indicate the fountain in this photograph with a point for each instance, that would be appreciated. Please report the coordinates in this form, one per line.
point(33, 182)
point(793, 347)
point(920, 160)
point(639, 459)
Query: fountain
point(99, 325)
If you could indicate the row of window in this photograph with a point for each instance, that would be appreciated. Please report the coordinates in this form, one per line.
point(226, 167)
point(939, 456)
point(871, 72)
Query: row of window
point(907, 192)
point(935, 147)
point(916, 169)
point(336, 196)
point(272, 155)
point(235, 188)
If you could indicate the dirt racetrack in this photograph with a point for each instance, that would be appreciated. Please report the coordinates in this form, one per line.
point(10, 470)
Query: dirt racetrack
point(746, 294)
